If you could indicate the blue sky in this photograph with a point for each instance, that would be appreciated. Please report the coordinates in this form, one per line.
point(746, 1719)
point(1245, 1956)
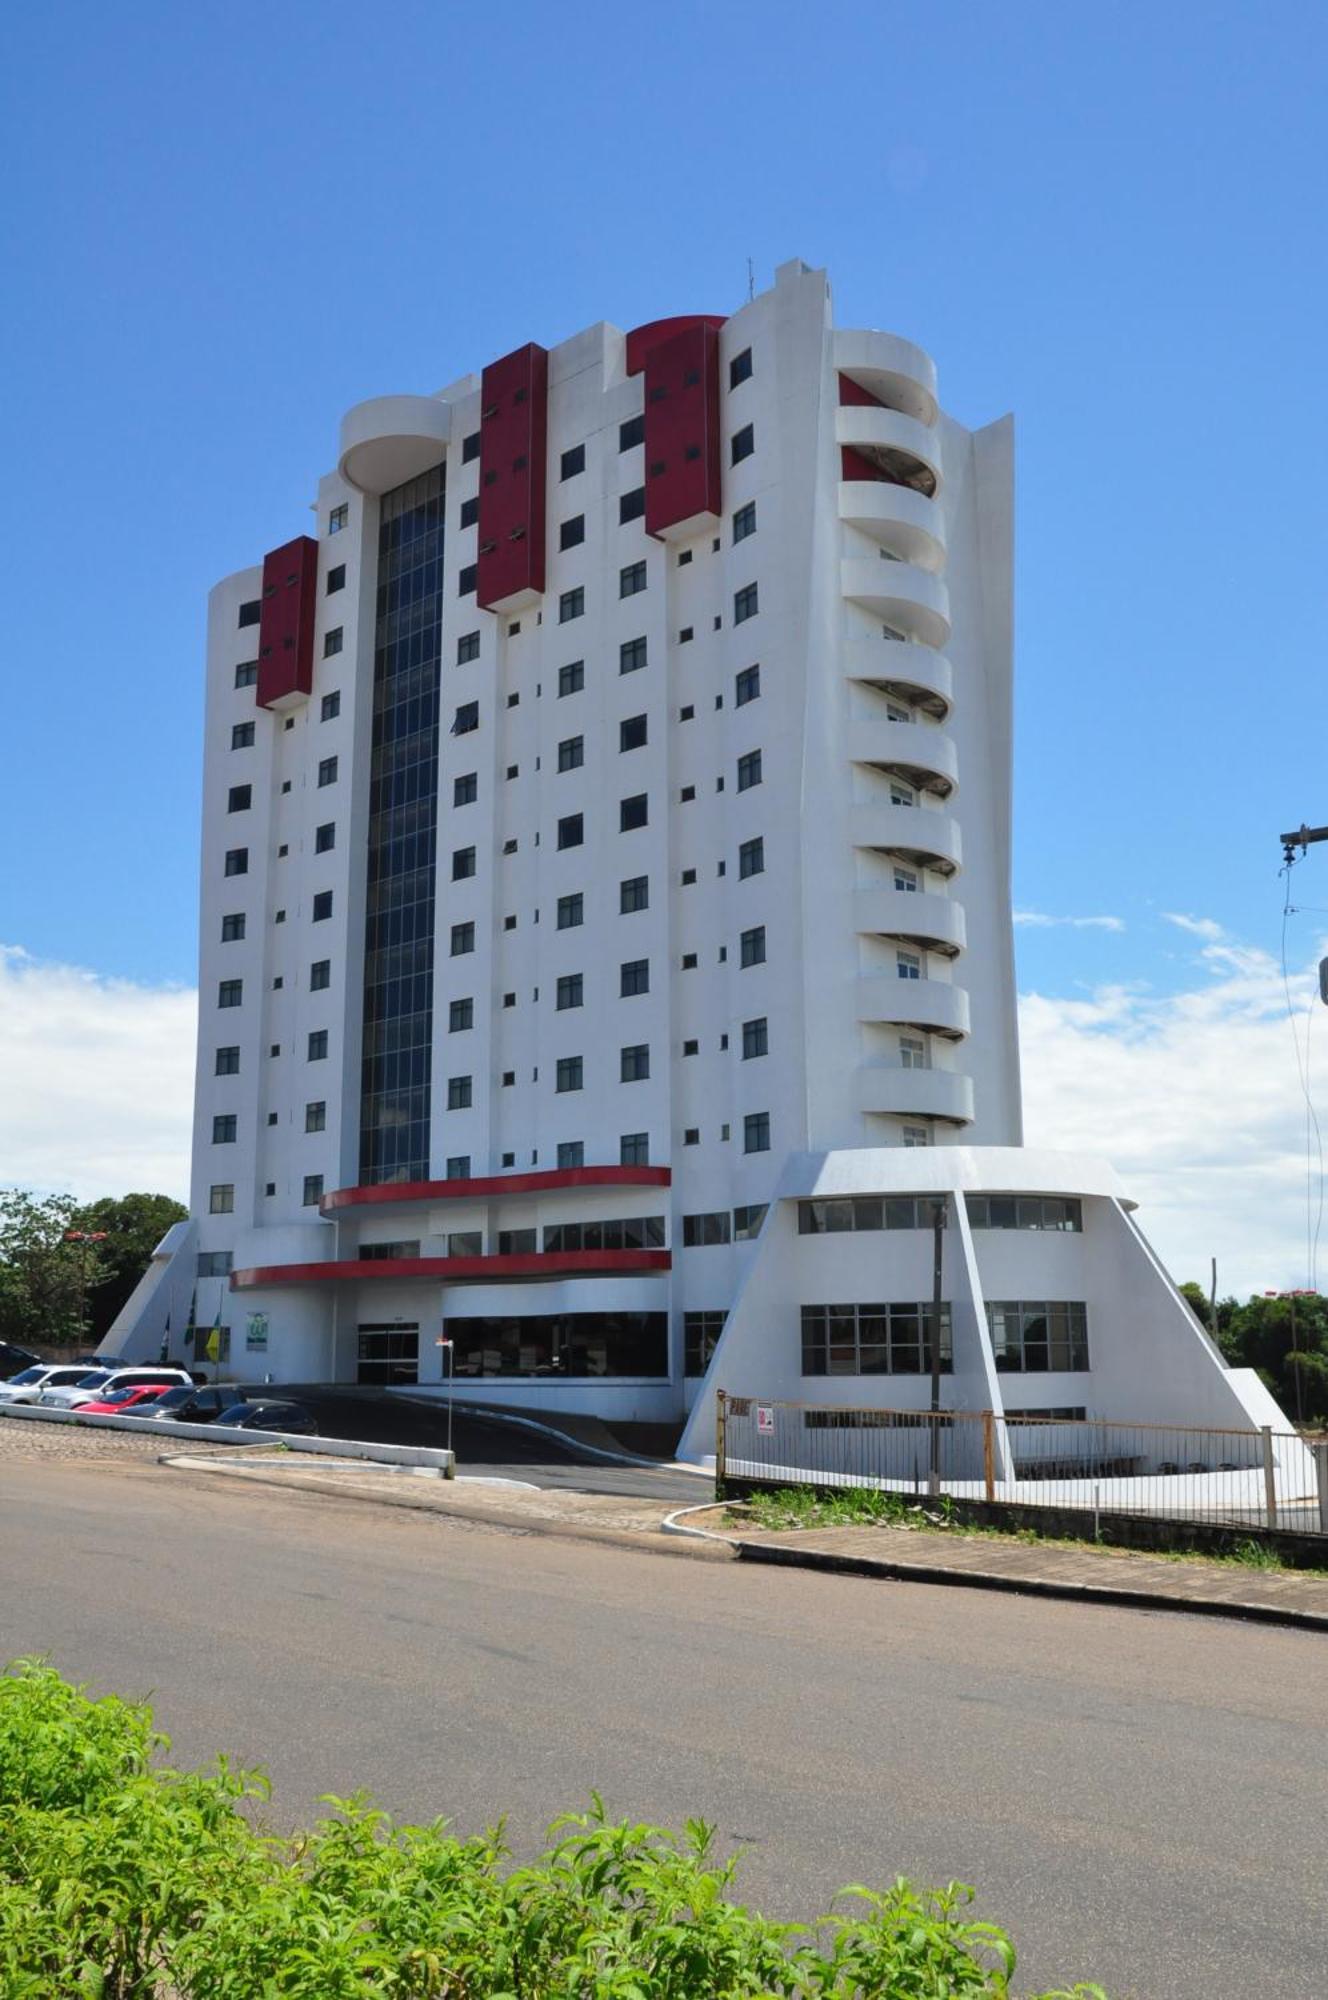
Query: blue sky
point(221, 227)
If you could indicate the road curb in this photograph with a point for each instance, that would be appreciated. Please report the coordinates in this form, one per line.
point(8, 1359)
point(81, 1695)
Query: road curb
point(1074, 1593)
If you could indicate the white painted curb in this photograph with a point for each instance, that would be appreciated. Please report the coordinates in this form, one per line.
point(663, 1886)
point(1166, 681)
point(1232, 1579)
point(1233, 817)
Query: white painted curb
point(673, 1525)
point(382, 1454)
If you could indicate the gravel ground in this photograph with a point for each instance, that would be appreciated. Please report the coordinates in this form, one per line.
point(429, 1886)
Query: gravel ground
point(30, 1437)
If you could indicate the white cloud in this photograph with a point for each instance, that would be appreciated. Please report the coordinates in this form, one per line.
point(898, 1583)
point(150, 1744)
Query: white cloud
point(96, 1080)
point(1194, 1096)
point(1201, 927)
point(1038, 920)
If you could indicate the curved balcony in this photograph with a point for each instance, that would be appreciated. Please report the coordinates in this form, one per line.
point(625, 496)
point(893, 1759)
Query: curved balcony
point(893, 369)
point(925, 757)
point(910, 599)
point(899, 519)
point(905, 450)
point(912, 673)
point(926, 1004)
point(390, 439)
point(917, 916)
point(549, 1180)
point(915, 833)
point(916, 1093)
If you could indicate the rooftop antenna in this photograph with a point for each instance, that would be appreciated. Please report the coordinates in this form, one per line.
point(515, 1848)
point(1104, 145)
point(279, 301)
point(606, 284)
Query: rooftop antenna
point(751, 294)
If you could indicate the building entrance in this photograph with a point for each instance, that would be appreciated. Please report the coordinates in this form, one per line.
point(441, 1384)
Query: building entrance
point(388, 1354)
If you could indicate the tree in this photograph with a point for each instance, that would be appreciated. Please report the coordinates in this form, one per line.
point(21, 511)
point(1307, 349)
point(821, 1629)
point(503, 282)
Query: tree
point(1258, 1335)
point(47, 1266)
point(131, 1227)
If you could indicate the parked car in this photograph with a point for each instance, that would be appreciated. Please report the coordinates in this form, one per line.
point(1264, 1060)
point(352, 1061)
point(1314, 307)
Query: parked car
point(12, 1359)
point(293, 1417)
point(100, 1380)
point(27, 1385)
point(122, 1402)
point(195, 1405)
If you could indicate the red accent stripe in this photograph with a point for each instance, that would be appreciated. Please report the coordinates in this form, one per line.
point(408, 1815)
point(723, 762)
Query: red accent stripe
point(514, 412)
point(642, 338)
point(531, 1264)
point(286, 621)
point(549, 1180)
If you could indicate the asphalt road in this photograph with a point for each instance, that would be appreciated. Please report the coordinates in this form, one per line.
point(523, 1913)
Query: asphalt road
point(1139, 1797)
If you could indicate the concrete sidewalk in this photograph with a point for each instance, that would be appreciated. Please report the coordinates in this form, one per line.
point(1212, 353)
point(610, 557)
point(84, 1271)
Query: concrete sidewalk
point(1087, 1575)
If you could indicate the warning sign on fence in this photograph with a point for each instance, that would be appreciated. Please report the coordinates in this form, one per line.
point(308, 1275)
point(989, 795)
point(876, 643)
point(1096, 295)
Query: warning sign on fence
point(765, 1419)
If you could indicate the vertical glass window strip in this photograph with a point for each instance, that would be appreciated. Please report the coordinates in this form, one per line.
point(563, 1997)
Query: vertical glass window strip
point(403, 785)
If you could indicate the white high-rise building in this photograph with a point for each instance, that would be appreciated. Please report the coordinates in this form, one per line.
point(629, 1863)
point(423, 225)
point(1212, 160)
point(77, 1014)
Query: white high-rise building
point(606, 935)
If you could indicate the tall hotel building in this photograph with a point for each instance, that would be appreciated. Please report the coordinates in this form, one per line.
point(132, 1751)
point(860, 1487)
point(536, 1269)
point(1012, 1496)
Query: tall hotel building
point(606, 939)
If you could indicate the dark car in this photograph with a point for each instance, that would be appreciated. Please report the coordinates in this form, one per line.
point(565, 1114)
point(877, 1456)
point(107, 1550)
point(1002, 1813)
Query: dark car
point(186, 1405)
point(12, 1359)
point(292, 1417)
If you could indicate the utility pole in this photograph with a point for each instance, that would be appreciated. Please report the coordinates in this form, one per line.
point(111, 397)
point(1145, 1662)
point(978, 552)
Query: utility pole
point(1212, 1305)
point(1304, 840)
point(938, 1242)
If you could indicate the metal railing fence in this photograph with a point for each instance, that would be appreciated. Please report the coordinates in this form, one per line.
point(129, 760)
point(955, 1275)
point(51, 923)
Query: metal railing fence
point(1221, 1478)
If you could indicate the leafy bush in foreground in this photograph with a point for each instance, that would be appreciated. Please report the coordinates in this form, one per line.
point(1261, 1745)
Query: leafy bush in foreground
point(121, 1879)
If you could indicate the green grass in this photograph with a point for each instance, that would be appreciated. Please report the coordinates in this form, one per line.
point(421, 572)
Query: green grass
point(122, 1879)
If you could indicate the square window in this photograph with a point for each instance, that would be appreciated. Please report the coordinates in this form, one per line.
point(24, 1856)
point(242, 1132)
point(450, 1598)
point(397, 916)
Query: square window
point(572, 533)
point(468, 648)
point(458, 1167)
point(632, 732)
point(569, 1073)
point(572, 604)
point(744, 522)
point(466, 719)
point(460, 1016)
point(317, 1051)
point(756, 1132)
point(692, 1136)
point(274, 1049)
point(332, 642)
point(571, 753)
point(221, 1199)
point(691, 1048)
point(634, 1149)
point(330, 708)
point(633, 812)
point(467, 580)
point(570, 991)
point(571, 911)
point(687, 794)
point(509, 999)
point(749, 770)
point(631, 433)
point(688, 877)
point(571, 1153)
point(745, 604)
point(631, 506)
point(325, 837)
point(753, 946)
point(230, 993)
point(631, 656)
point(634, 1063)
point(686, 636)
point(740, 367)
point(242, 736)
point(908, 965)
point(338, 518)
point(322, 906)
point(327, 771)
point(634, 978)
point(246, 674)
point(687, 714)
point(313, 1190)
point(689, 961)
point(224, 1128)
point(315, 1116)
point(336, 579)
point(571, 830)
point(320, 975)
point(465, 789)
point(509, 1078)
point(746, 686)
point(239, 798)
point(463, 863)
point(631, 579)
point(742, 444)
point(572, 462)
point(572, 677)
point(232, 928)
point(509, 923)
point(458, 1093)
point(633, 894)
point(228, 1061)
point(470, 512)
point(751, 858)
point(463, 939)
point(755, 1039)
point(470, 447)
point(251, 612)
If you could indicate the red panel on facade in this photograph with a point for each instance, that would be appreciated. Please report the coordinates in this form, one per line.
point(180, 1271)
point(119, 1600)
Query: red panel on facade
point(682, 429)
point(853, 393)
point(853, 465)
point(534, 1264)
point(551, 1180)
point(286, 626)
point(643, 338)
point(514, 421)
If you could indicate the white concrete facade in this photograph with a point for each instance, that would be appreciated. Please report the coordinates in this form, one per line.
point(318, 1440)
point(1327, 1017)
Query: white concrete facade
point(822, 665)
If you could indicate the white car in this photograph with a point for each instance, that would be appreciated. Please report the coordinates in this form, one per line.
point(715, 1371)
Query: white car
point(99, 1381)
point(26, 1386)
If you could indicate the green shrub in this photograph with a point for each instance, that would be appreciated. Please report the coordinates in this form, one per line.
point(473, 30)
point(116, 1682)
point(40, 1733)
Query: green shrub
point(122, 1879)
